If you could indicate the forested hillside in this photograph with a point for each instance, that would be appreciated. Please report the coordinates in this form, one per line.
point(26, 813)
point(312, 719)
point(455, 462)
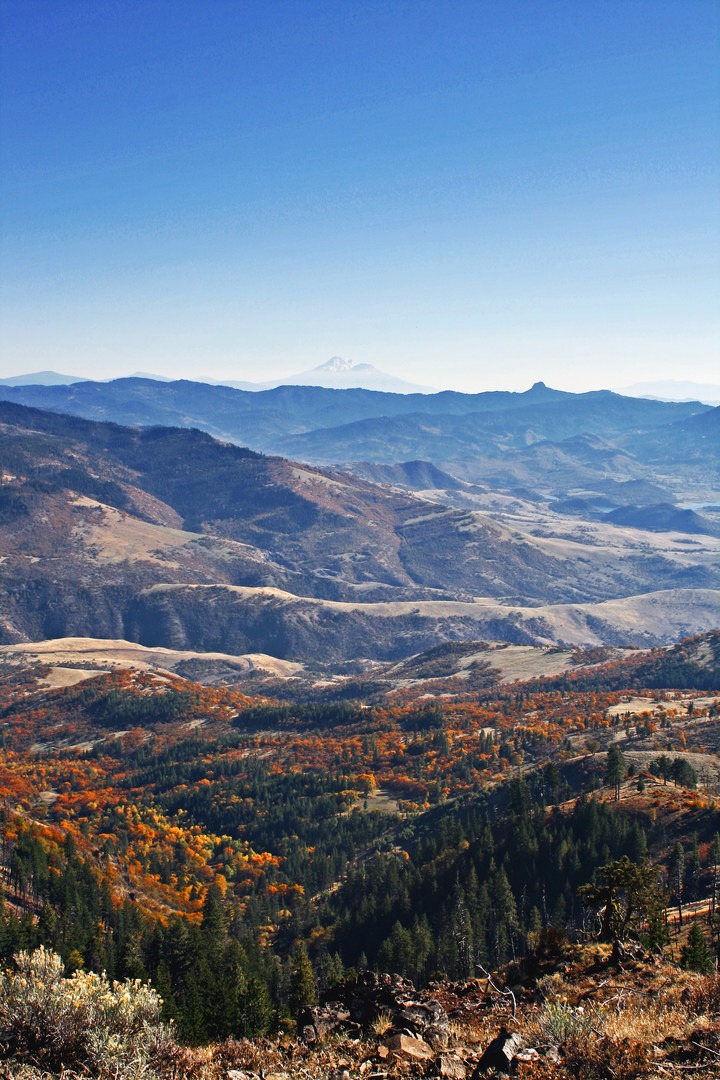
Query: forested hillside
point(204, 839)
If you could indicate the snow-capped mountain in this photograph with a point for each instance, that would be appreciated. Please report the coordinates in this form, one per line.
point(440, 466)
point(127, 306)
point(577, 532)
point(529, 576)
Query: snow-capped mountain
point(340, 374)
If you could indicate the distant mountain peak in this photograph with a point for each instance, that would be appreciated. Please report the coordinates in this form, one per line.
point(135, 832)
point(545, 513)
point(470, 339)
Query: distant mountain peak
point(337, 373)
point(150, 375)
point(42, 378)
point(336, 363)
point(540, 391)
point(675, 390)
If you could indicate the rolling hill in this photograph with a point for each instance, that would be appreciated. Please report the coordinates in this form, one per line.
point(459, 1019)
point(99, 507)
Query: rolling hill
point(170, 538)
point(541, 444)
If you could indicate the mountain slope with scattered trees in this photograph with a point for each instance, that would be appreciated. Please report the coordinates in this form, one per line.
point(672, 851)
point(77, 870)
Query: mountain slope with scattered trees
point(108, 531)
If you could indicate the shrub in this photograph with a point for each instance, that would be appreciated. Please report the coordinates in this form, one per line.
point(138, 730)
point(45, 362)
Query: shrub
point(606, 1059)
point(560, 1022)
point(704, 996)
point(84, 1021)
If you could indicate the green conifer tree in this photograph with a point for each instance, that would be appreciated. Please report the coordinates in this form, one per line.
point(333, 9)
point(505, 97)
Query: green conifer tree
point(676, 875)
point(615, 769)
point(695, 954)
point(301, 989)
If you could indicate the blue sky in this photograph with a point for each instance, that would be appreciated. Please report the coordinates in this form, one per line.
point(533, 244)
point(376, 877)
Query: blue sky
point(468, 195)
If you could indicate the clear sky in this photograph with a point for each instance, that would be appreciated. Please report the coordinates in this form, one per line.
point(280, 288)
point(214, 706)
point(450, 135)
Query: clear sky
point(473, 195)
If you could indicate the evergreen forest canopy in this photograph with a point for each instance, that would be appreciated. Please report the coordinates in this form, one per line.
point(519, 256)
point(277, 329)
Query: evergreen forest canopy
point(366, 774)
point(254, 852)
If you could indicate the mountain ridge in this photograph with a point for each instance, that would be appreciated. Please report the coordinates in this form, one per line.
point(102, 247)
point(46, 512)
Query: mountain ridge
point(153, 535)
point(494, 436)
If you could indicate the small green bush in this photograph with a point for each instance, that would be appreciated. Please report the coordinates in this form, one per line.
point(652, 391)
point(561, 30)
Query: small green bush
point(559, 1022)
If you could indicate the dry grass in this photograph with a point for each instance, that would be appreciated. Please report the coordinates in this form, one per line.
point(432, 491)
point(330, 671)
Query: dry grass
point(381, 1024)
point(653, 1021)
point(587, 1021)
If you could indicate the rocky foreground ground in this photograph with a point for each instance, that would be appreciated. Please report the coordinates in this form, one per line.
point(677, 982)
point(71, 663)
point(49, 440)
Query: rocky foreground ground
point(588, 1014)
point(582, 1013)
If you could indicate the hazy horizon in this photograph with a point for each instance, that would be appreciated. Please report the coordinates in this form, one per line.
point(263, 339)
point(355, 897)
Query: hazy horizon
point(468, 196)
point(668, 389)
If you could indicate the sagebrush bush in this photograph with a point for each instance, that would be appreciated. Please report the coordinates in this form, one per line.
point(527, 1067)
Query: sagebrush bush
point(558, 1022)
point(84, 1021)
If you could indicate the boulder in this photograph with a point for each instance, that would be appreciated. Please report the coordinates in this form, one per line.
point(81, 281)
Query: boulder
point(499, 1054)
point(528, 1057)
point(316, 1022)
point(407, 1046)
point(358, 1002)
point(451, 1067)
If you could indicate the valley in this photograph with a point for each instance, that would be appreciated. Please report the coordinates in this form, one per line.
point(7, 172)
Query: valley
point(270, 727)
point(360, 713)
point(440, 822)
point(171, 539)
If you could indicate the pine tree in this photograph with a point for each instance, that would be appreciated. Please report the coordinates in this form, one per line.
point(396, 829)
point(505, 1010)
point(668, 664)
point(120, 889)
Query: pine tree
point(676, 874)
point(301, 990)
point(715, 860)
point(423, 948)
point(504, 918)
point(692, 872)
point(695, 954)
point(626, 896)
point(257, 1009)
point(213, 925)
point(396, 951)
point(615, 769)
point(234, 989)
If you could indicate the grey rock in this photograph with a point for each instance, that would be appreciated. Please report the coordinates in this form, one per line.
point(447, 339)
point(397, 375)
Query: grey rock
point(451, 1067)
point(499, 1054)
